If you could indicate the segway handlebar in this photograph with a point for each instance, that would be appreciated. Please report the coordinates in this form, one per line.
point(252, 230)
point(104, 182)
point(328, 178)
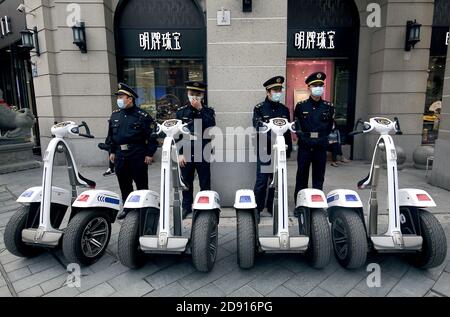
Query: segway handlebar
point(88, 131)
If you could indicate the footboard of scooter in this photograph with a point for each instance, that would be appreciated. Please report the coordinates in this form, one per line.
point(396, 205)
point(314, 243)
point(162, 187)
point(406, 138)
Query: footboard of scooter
point(311, 198)
point(163, 244)
point(283, 243)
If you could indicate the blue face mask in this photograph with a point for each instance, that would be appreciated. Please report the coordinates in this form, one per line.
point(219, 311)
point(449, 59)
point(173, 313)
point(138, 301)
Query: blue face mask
point(317, 91)
point(276, 96)
point(121, 103)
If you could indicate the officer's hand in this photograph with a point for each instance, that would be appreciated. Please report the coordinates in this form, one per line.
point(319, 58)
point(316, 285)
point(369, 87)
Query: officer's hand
point(181, 161)
point(112, 157)
point(197, 104)
point(148, 160)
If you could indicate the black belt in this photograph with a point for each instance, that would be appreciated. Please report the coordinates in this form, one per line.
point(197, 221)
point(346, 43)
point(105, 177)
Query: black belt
point(314, 135)
point(129, 147)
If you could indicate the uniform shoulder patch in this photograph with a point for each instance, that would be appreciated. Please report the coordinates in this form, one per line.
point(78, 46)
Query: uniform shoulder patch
point(116, 111)
point(143, 113)
point(259, 105)
point(182, 107)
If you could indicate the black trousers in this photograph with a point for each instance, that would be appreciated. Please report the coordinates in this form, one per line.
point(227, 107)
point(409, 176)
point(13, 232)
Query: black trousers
point(335, 149)
point(310, 155)
point(204, 176)
point(129, 169)
point(260, 190)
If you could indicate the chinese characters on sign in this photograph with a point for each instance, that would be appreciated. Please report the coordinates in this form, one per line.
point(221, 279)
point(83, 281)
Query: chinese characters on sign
point(157, 41)
point(447, 38)
point(5, 26)
point(314, 40)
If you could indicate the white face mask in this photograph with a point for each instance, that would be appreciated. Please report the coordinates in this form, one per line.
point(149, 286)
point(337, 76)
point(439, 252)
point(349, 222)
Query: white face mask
point(276, 96)
point(194, 98)
point(121, 103)
point(317, 91)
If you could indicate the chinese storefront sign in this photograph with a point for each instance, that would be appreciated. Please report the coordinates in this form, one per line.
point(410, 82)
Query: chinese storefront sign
point(5, 26)
point(157, 41)
point(311, 40)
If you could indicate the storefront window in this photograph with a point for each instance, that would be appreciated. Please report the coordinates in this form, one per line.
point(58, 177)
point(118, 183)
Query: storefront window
point(433, 103)
point(336, 85)
point(160, 83)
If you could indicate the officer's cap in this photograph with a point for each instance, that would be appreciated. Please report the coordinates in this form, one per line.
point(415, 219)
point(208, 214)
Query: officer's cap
point(124, 89)
point(196, 85)
point(316, 78)
point(274, 82)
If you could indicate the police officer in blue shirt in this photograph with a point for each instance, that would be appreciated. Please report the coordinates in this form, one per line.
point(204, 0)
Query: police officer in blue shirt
point(270, 108)
point(196, 113)
point(132, 144)
point(314, 117)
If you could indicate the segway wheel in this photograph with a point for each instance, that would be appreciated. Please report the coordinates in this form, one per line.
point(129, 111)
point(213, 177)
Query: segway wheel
point(129, 251)
point(349, 239)
point(434, 246)
point(246, 239)
point(86, 237)
point(204, 240)
point(13, 233)
point(319, 250)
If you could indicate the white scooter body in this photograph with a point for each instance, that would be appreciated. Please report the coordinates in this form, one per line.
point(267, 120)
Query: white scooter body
point(281, 241)
point(47, 194)
point(392, 239)
point(165, 241)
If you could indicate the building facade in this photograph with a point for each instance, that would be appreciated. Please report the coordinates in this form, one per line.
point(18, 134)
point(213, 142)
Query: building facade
point(156, 45)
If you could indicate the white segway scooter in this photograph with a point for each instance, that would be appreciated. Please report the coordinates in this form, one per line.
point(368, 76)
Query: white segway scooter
point(314, 237)
point(411, 228)
point(147, 226)
point(38, 224)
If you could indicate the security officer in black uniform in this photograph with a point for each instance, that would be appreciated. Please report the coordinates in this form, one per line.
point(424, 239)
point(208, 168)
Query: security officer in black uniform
point(132, 144)
point(197, 114)
point(270, 108)
point(314, 117)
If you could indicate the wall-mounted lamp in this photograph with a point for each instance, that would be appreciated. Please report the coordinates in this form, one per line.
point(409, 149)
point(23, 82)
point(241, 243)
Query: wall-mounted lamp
point(412, 34)
point(246, 5)
point(79, 36)
point(30, 40)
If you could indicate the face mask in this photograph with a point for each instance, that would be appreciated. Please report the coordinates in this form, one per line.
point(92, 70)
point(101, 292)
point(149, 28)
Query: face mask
point(194, 98)
point(317, 91)
point(121, 103)
point(276, 96)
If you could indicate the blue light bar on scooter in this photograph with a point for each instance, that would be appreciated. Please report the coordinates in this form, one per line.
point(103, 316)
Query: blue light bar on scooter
point(134, 199)
point(245, 199)
point(351, 198)
point(27, 193)
point(332, 198)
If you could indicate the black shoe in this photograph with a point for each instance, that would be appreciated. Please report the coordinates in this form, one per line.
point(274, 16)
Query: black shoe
point(108, 172)
point(186, 212)
point(122, 214)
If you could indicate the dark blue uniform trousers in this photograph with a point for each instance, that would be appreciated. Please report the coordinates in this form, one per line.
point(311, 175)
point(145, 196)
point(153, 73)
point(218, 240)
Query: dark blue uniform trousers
point(316, 156)
point(204, 178)
point(129, 169)
point(260, 190)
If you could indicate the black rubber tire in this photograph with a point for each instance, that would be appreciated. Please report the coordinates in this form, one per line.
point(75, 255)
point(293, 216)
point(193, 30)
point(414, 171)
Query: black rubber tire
point(319, 249)
point(13, 235)
point(354, 240)
point(204, 233)
point(434, 247)
point(129, 251)
point(246, 239)
point(73, 233)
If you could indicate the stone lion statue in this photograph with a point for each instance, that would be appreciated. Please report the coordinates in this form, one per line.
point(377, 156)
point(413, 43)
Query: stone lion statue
point(15, 124)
